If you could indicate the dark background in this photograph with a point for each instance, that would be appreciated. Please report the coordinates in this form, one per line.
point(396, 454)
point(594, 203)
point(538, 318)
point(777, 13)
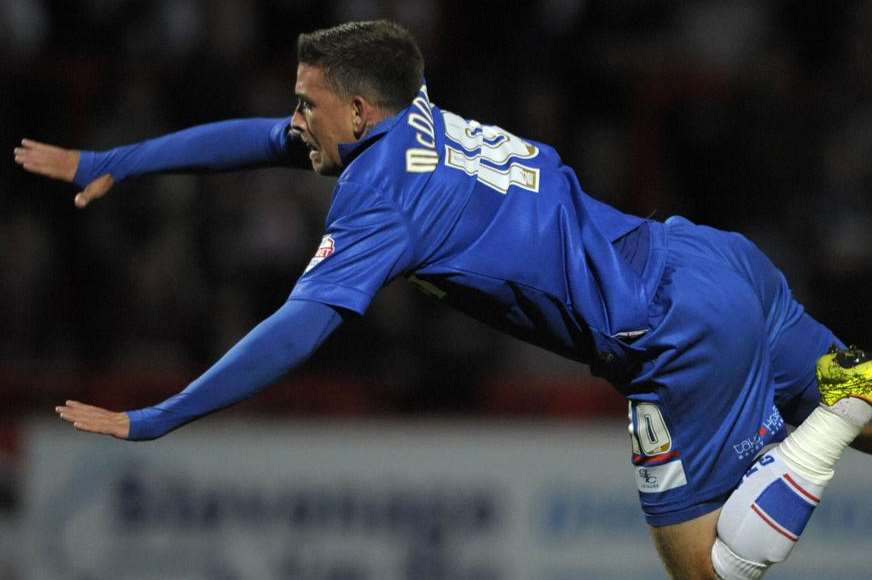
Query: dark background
point(745, 115)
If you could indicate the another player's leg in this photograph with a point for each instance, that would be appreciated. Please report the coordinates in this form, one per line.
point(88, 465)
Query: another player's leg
point(764, 517)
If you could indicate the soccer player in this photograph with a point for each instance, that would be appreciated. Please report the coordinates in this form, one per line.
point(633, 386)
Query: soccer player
point(693, 325)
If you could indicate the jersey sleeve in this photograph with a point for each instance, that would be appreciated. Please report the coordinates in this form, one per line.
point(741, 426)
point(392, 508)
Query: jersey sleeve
point(275, 346)
point(367, 244)
point(221, 146)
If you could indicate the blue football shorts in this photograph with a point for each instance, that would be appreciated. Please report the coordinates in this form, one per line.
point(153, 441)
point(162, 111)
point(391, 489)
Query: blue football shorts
point(730, 358)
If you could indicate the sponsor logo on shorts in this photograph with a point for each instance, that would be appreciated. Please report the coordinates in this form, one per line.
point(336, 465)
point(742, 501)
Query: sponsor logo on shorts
point(325, 250)
point(750, 446)
point(660, 478)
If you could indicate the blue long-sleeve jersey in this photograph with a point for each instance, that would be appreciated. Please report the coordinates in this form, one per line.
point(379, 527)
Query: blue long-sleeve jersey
point(492, 224)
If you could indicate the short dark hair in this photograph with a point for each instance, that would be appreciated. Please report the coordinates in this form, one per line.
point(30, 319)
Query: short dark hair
point(377, 59)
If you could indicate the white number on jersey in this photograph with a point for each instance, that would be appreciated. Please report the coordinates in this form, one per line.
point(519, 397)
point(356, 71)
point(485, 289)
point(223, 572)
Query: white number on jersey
point(500, 149)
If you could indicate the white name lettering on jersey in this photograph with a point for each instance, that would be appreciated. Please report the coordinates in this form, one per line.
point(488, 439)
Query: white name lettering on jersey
point(422, 159)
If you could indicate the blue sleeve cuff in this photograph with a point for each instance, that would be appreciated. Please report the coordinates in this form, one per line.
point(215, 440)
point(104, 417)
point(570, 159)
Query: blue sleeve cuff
point(137, 418)
point(85, 168)
point(333, 295)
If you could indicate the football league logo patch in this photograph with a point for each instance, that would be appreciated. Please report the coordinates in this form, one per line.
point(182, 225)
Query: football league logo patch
point(325, 250)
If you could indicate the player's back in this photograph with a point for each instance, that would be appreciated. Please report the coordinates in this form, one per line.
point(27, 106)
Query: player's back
point(501, 229)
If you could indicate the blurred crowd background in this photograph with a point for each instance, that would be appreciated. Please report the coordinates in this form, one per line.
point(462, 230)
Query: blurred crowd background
point(746, 115)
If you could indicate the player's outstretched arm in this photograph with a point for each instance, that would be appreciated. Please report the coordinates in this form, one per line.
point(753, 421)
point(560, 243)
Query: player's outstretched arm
point(275, 346)
point(62, 164)
point(221, 146)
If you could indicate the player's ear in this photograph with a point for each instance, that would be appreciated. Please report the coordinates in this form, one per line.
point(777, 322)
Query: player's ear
point(359, 114)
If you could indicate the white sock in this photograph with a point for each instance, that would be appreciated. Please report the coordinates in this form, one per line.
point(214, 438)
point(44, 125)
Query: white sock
point(818, 443)
point(764, 517)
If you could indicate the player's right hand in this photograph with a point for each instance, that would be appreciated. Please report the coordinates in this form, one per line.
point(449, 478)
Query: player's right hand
point(59, 163)
point(95, 419)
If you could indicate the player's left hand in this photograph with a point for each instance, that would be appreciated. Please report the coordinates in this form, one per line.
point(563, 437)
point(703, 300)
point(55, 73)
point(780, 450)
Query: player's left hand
point(95, 419)
point(59, 163)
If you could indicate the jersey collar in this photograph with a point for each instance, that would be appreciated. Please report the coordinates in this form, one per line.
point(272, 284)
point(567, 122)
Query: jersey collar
point(348, 151)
